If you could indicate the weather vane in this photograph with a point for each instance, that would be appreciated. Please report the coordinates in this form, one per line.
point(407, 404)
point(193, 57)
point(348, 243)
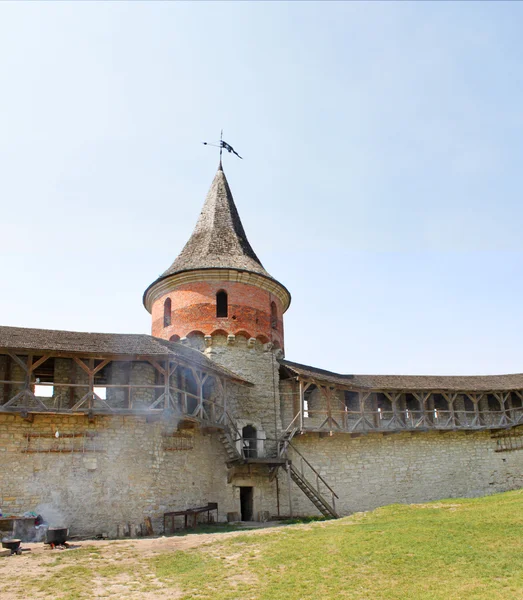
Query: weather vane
point(221, 144)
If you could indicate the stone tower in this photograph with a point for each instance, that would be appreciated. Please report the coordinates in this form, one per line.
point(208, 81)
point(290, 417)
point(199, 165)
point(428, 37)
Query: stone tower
point(217, 297)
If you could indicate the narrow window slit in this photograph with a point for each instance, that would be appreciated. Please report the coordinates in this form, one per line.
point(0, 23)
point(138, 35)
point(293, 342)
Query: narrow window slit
point(167, 313)
point(221, 304)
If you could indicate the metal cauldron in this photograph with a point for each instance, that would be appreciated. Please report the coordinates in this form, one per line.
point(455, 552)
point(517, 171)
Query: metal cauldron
point(57, 536)
point(13, 545)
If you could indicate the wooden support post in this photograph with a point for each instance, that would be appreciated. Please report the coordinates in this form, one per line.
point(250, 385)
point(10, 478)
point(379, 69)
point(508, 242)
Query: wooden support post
point(91, 383)
point(73, 380)
point(329, 406)
point(500, 397)
point(204, 378)
point(301, 403)
point(395, 408)
point(508, 400)
point(7, 386)
point(475, 401)
point(200, 398)
point(166, 381)
point(277, 495)
point(289, 482)
point(363, 397)
point(29, 373)
point(450, 398)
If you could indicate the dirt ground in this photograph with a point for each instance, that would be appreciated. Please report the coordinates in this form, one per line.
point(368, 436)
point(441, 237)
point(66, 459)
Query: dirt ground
point(37, 564)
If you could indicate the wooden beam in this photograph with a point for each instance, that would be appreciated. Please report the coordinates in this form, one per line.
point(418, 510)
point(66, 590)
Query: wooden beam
point(18, 361)
point(157, 366)
point(81, 363)
point(103, 364)
point(40, 361)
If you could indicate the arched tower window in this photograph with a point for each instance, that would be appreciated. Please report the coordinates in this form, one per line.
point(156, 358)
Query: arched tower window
point(274, 316)
point(167, 313)
point(221, 304)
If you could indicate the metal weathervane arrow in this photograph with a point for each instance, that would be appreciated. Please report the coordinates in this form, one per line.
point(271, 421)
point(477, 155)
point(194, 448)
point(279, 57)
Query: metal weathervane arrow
point(221, 144)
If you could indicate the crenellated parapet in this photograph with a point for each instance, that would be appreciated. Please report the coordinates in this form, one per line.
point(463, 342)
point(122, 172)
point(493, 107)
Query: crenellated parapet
point(222, 340)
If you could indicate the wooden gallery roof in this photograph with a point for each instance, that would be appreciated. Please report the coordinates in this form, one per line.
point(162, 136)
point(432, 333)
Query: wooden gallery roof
point(473, 383)
point(22, 339)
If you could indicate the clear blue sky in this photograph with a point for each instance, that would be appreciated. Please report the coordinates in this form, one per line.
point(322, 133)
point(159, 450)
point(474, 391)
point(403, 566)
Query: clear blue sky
point(382, 180)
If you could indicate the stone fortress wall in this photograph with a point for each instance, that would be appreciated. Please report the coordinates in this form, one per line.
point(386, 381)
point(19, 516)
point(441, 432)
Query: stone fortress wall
point(114, 472)
point(102, 474)
point(117, 470)
point(374, 470)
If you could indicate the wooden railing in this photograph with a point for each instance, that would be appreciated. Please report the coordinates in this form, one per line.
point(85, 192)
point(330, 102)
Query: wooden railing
point(409, 420)
point(74, 398)
point(311, 475)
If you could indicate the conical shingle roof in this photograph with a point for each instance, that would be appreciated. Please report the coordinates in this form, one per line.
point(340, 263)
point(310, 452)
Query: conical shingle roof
point(218, 240)
point(219, 246)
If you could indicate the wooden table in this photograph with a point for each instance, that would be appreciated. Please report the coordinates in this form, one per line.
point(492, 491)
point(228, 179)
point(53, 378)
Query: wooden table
point(189, 513)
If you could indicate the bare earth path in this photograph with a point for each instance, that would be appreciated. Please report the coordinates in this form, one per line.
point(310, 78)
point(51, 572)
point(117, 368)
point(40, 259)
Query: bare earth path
point(36, 564)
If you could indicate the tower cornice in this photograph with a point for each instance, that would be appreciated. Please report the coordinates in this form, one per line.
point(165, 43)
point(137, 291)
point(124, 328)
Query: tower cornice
point(168, 283)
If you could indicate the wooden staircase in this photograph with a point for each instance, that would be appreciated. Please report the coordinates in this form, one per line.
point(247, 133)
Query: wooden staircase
point(319, 501)
point(227, 440)
point(306, 477)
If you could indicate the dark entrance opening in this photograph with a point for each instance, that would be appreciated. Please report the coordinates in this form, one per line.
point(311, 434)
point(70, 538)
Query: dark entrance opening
point(246, 503)
point(249, 442)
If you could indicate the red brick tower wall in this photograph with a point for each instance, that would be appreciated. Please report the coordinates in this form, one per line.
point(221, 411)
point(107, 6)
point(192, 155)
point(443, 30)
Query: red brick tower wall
point(193, 309)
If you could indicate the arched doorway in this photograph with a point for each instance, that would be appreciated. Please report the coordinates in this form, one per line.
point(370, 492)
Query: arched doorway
point(249, 442)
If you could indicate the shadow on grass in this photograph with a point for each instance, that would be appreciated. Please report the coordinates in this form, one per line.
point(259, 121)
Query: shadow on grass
point(215, 528)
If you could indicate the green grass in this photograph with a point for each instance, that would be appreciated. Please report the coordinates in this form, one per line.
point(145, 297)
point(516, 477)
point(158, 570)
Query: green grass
point(452, 549)
point(447, 550)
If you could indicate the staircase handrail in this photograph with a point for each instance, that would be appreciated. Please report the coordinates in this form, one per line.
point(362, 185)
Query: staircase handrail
point(318, 476)
point(290, 425)
point(287, 436)
point(231, 422)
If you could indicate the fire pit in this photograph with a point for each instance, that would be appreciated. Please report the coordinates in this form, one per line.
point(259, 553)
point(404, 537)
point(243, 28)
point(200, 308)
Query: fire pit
point(13, 545)
point(57, 536)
